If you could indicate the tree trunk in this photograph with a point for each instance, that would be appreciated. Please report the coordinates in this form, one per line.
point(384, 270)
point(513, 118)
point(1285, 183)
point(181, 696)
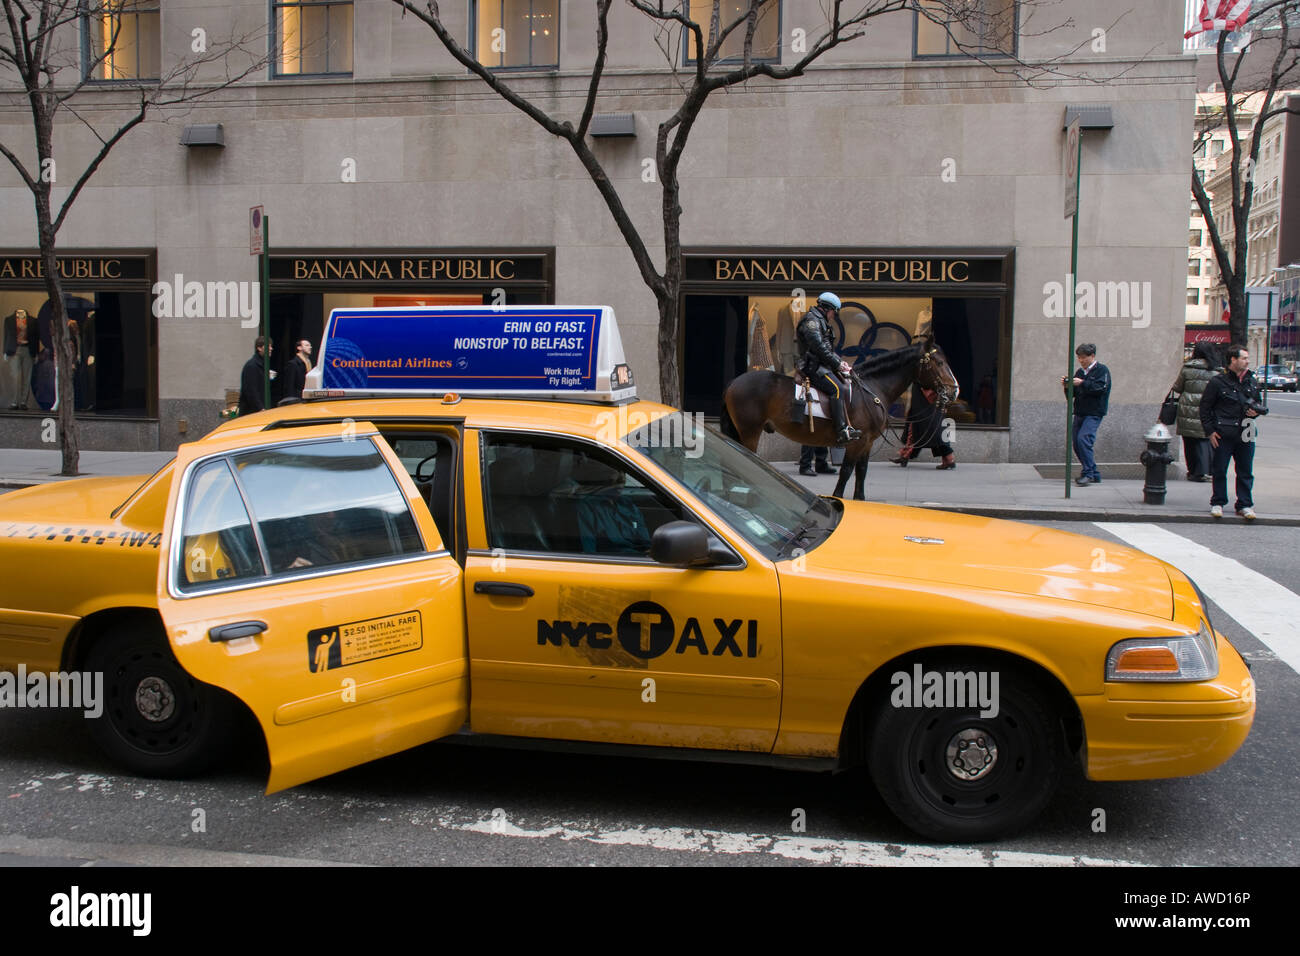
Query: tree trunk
point(64, 347)
point(669, 374)
point(1237, 313)
point(669, 298)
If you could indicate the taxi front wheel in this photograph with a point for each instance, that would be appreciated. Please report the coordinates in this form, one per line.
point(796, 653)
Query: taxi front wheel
point(157, 720)
point(953, 775)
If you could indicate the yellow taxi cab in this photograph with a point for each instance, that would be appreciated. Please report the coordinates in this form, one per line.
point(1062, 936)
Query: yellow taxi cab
point(473, 526)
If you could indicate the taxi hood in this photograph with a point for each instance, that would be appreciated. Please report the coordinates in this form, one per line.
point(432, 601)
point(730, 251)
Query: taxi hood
point(1009, 556)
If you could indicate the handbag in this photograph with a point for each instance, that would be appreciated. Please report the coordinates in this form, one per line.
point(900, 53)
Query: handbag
point(1169, 408)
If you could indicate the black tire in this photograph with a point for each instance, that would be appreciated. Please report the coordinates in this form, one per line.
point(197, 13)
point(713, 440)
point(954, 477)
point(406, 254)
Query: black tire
point(158, 721)
point(908, 758)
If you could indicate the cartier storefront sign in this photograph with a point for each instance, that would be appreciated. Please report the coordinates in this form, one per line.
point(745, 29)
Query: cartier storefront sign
point(397, 270)
point(855, 269)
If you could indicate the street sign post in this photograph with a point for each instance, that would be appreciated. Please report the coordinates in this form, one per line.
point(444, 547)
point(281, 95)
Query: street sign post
point(255, 217)
point(1073, 158)
point(1072, 169)
point(259, 243)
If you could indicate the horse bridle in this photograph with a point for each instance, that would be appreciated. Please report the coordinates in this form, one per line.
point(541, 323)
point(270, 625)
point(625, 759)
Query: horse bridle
point(940, 393)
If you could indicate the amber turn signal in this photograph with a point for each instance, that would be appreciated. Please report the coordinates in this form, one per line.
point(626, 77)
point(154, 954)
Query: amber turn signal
point(1147, 660)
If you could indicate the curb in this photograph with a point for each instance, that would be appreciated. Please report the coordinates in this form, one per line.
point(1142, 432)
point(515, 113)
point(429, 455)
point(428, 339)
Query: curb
point(1050, 514)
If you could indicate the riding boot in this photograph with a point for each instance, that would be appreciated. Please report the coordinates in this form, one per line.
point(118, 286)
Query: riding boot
point(844, 432)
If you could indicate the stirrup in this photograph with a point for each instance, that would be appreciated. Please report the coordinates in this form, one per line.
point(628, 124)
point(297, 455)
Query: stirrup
point(848, 434)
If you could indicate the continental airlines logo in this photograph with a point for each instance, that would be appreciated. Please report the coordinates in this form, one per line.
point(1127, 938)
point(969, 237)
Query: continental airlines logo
point(646, 630)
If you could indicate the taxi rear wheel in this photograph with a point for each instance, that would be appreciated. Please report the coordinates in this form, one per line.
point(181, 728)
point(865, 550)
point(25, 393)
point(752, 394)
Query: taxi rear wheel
point(952, 775)
point(158, 721)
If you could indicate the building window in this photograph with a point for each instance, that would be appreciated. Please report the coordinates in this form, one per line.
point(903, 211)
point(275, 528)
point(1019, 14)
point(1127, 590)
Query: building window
point(311, 37)
point(985, 27)
point(122, 39)
point(1193, 267)
point(1194, 237)
point(517, 34)
point(767, 32)
point(1193, 296)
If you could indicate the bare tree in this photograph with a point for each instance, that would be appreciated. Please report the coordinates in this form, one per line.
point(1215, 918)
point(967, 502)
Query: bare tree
point(40, 44)
point(976, 29)
point(1247, 105)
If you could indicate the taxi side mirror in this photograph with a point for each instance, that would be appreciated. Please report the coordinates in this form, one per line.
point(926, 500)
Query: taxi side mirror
point(680, 543)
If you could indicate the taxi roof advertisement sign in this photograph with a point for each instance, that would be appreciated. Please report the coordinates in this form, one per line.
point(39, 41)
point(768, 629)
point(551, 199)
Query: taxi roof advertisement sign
point(527, 350)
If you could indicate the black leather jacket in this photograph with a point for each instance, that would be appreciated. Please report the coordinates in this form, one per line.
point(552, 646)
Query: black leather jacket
point(1223, 406)
point(816, 342)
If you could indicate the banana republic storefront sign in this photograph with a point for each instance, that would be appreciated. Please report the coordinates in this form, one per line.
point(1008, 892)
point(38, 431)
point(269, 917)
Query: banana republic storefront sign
point(922, 270)
point(77, 270)
point(470, 269)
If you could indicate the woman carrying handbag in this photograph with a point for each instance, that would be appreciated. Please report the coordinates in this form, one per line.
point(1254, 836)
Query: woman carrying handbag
point(1204, 364)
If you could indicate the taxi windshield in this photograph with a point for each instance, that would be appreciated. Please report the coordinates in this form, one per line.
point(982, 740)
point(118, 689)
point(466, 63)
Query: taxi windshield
point(773, 513)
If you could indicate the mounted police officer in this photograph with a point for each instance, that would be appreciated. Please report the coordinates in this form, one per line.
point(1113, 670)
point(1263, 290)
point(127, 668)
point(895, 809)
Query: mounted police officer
point(819, 363)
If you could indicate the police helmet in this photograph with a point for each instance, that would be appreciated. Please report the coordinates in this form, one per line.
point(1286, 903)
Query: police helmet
point(830, 299)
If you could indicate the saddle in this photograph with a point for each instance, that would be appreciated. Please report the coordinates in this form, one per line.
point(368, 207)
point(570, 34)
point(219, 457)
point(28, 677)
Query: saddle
point(810, 401)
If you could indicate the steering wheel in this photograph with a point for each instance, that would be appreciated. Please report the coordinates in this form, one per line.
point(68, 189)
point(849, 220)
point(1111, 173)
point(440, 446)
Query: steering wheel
point(419, 476)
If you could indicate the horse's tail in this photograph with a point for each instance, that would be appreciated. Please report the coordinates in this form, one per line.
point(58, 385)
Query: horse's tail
point(727, 426)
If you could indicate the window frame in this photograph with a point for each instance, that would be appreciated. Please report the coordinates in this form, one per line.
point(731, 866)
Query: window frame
point(486, 435)
point(993, 55)
point(180, 589)
point(274, 39)
point(688, 60)
point(530, 66)
point(84, 16)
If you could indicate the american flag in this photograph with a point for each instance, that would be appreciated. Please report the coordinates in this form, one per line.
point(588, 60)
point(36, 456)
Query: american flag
point(1227, 15)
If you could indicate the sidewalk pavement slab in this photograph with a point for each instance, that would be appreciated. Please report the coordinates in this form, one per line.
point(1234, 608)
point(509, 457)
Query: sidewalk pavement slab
point(1003, 490)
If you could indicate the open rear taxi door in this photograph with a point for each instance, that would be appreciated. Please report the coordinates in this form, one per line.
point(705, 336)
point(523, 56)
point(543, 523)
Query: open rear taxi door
point(302, 572)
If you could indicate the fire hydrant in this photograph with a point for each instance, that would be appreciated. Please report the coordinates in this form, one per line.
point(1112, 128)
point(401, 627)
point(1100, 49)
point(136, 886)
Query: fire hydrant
point(1157, 459)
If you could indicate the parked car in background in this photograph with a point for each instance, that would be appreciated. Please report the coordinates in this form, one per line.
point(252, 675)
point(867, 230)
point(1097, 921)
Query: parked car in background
point(1277, 376)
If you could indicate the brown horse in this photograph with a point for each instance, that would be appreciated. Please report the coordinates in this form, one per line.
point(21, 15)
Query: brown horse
point(764, 401)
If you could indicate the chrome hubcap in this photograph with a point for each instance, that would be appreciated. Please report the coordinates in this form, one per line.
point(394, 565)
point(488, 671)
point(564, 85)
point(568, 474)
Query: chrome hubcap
point(154, 699)
point(971, 754)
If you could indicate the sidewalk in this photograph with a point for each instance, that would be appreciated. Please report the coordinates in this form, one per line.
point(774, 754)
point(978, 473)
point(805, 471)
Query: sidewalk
point(997, 490)
point(1018, 491)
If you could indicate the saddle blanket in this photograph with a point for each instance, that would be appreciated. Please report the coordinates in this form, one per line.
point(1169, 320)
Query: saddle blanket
point(819, 409)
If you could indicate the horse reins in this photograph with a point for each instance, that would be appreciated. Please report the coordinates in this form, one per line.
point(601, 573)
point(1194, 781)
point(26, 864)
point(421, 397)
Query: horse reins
point(884, 432)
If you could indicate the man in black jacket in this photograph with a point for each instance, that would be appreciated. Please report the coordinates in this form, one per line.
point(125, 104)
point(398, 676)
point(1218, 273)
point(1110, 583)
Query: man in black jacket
point(295, 371)
point(1091, 400)
point(251, 392)
point(1231, 400)
point(819, 363)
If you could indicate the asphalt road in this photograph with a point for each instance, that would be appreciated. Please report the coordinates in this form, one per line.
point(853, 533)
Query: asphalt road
point(61, 802)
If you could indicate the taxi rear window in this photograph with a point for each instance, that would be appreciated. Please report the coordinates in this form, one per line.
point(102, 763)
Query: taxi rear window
point(292, 509)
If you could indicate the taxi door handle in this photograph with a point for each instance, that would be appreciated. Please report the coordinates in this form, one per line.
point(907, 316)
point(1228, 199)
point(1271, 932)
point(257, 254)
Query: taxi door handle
point(502, 587)
point(231, 632)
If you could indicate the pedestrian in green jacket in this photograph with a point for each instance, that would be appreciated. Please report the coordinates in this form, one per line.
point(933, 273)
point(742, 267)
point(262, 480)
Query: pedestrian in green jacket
point(1204, 364)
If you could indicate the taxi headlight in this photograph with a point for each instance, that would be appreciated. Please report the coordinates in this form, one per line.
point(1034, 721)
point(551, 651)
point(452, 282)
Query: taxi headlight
point(1193, 657)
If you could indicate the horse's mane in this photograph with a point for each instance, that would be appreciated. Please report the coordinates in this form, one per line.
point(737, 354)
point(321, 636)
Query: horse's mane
point(891, 360)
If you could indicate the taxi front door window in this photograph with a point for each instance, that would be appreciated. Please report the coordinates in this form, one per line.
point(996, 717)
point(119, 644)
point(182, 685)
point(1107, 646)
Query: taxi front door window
point(548, 495)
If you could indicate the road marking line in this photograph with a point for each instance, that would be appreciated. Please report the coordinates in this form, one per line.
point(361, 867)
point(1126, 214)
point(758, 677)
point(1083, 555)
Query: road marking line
point(810, 849)
point(1255, 601)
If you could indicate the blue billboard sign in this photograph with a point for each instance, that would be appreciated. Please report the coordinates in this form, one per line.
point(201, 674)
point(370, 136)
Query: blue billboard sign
point(541, 348)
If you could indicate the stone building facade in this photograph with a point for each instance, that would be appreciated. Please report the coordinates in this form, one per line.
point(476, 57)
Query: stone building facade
point(909, 180)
